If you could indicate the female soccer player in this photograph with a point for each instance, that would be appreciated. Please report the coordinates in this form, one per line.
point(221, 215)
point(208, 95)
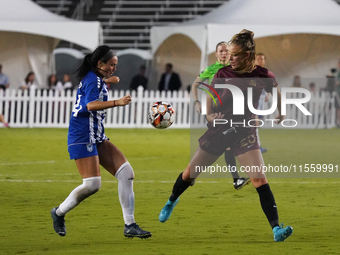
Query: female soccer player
point(89, 146)
point(242, 140)
point(208, 73)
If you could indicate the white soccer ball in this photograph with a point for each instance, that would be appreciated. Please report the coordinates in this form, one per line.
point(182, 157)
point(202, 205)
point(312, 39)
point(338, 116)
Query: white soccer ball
point(161, 115)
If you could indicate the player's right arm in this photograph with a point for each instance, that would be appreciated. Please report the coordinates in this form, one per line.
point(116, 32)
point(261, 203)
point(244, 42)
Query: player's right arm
point(194, 89)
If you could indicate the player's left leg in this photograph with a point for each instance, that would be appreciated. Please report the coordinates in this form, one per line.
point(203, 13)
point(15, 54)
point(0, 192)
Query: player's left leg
point(259, 180)
point(113, 160)
point(238, 182)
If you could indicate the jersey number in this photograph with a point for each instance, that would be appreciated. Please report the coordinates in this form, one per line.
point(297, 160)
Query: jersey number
point(77, 107)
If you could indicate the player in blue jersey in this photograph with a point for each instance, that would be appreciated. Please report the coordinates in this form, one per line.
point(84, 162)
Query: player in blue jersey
point(242, 73)
point(89, 147)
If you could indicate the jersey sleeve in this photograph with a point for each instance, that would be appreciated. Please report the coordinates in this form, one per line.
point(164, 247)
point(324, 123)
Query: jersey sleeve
point(92, 90)
point(270, 82)
point(205, 74)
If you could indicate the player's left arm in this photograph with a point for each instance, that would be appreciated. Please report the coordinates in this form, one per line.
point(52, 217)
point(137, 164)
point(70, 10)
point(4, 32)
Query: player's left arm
point(101, 105)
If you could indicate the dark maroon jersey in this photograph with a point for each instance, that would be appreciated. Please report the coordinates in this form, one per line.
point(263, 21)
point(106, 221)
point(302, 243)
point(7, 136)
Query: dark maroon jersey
point(260, 78)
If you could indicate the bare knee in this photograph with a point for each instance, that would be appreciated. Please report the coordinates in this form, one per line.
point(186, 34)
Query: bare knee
point(258, 182)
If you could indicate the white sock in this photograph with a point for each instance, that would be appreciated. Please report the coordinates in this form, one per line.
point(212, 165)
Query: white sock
point(90, 186)
point(125, 178)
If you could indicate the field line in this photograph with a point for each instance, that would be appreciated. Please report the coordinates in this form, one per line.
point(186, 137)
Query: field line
point(152, 181)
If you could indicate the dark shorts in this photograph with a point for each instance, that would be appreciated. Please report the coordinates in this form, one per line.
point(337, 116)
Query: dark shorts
point(240, 140)
point(82, 150)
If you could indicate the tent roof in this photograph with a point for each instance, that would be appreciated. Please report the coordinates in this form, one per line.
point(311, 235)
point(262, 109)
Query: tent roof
point(25, 16)
point(264, 17)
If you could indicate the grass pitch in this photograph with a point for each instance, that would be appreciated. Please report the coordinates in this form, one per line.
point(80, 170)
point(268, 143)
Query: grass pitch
point(211, 217)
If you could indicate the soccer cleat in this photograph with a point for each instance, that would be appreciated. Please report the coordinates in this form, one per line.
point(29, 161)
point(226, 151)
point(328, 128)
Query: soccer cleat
point(165, 213)
point(134, 230)
point(281, 234)
point(58, 222)
point(263, 150)
point(241, 182)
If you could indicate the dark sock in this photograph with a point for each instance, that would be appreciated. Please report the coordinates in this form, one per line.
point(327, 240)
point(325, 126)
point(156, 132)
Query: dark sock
point(268, 204)
point(231, 163)
point(179, 187)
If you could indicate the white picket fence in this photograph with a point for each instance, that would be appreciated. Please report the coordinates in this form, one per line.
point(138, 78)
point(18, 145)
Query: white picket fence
point(50, 109)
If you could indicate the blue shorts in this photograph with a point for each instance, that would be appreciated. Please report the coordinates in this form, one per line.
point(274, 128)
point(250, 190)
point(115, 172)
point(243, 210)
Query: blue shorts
point(82, 150)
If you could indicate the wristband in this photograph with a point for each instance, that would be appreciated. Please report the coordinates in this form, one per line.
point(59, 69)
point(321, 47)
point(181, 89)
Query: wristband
point(196, 101)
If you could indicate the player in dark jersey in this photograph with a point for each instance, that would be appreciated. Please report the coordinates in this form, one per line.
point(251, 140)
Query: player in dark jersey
point(242, 73)
point(208, 74)
point(89, 146)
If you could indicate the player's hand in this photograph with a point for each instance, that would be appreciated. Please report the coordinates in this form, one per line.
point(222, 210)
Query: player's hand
point(198, 107)
point(124, 100)
point(213, 116)
point(279, 118)
point(112, 79)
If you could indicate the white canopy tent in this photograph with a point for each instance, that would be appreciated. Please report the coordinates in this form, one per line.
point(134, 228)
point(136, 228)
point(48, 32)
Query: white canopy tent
point(299, 37)
point(29, 34)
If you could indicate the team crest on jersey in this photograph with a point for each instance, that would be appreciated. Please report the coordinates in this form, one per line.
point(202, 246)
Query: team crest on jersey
point(89, 147)
point(252, 83)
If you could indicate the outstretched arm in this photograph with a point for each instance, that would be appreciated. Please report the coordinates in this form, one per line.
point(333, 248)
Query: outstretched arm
point(98, 105)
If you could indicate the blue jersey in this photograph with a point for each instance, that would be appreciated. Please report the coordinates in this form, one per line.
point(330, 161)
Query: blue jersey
point(86, 127)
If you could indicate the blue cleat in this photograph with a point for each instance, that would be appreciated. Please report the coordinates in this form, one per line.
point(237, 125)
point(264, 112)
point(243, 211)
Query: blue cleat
point(281, 234)
point(263, 150)
point(58, 222)
point(167, 210)
point(134, 230)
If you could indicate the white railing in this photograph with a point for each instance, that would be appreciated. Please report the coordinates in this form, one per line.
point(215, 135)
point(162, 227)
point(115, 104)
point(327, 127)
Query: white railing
point(51, 109)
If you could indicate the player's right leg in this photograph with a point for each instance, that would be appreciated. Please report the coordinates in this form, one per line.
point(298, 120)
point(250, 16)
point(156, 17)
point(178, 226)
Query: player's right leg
point(186, 179)
point(89, 170)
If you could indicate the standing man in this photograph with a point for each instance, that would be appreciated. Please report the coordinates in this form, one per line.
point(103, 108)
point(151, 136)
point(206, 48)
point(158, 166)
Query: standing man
point(169, 80)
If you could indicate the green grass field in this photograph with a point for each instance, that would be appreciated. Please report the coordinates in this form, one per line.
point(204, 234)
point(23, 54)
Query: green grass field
point(211, 218)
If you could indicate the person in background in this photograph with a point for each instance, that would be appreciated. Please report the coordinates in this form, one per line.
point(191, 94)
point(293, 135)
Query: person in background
point(4, 80)
point(222, 60)
point(169, 80)
point(4, 84)
point(67, 84)
point(29, 81)
point(139, 79)
point(54, 84)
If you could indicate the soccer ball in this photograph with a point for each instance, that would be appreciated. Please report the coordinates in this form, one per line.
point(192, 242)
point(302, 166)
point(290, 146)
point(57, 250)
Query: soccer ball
point(161, 115)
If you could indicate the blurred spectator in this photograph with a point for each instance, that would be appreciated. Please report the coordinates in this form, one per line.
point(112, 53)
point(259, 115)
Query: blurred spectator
point(139, 79)
point(67, 82)
point(331, 81)
point(29, 81)
point(54, 84)
point(4, 80)
point(169, 80)
point(312, 88)
point(297, 82)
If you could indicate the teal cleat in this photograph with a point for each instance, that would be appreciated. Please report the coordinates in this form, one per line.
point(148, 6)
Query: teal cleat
point(167, 210)
point(281, 234)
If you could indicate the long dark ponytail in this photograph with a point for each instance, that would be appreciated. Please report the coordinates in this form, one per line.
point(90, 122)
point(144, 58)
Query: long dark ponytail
point(90, 61)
